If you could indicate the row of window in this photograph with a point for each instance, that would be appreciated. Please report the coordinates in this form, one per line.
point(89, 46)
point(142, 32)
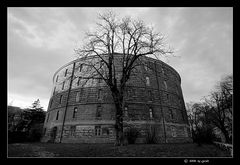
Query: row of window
point(99, 113)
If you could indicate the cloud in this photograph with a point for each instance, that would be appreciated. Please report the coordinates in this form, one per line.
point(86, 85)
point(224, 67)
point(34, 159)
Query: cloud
point(40, 40)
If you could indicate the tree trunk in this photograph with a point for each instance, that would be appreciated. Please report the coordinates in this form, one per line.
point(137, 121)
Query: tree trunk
point(119, 120)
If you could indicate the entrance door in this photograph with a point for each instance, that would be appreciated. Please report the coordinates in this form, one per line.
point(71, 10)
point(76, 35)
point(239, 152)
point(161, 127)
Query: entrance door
point(53, 134)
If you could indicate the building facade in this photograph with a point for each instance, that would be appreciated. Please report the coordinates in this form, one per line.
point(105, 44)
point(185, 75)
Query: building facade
point(85, 113)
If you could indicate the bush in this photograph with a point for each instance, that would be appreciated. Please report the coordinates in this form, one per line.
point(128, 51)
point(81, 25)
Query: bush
point(131, 135)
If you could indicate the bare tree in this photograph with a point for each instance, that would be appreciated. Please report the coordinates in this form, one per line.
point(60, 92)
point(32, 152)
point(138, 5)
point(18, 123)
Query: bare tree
point(220, 102)
point(118, 43)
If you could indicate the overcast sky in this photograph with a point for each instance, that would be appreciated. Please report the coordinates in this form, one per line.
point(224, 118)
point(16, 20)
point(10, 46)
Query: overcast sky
point(40, 40)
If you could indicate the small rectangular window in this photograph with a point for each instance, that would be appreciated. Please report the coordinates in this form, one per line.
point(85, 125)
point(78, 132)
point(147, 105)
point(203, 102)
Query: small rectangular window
point(80, 67)
point(57, 115)
point(98, 112)
point(150, 95)
point(66, 72)
point(63, 85)
point(151, 113)
point(147, 81)
point(75, 112)
point(126, 111)
point(47, 117)
point(182, 116)
point(72, 130)
point(57, 78)
point(171, 113)
point(78, 82)
point(78, 97)
point(99, 96)
point(51, 103)
point(60, 100)
point(165, 84)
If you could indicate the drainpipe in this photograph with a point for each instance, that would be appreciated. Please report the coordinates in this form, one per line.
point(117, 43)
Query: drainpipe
point(163, 119)
point(65, 111)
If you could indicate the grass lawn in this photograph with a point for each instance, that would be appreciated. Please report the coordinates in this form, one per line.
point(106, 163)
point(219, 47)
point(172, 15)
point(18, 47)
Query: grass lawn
point(108, 150)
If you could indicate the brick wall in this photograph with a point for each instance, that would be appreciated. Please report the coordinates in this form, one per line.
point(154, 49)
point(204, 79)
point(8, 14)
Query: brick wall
point(161, 92)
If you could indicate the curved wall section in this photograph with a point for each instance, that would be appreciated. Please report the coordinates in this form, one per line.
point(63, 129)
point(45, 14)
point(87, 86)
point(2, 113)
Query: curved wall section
point(153, 100)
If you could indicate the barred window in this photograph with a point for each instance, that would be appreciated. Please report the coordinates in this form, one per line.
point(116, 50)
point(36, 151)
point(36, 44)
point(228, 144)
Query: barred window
point(72, 130)
point(98, 130)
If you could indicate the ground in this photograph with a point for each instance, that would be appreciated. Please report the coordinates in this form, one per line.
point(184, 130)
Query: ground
point(108, 150)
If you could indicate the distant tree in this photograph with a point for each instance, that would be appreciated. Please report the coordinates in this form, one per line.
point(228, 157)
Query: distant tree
point(220, 102)
point(26, 124)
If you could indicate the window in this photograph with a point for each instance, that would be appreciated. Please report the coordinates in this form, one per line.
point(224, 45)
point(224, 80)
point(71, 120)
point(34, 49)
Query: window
point(74, 112)
point(165, 84)
point(44, 131)
point(63, 85)
point(57, 78)
point(151, 113)
point(99, 96)
point(146, 68)
point(126, 111)
point(57, 115)
point(182, 115)
point(47, 118)
point(66, 72)
point(78, 82)
point(97, 130)
point(80, 67)
point(171, 113)
point(163, 71)
point(100, 80)
point(60, 101)
point(78, 97)
point(51, 103)
point(72, 130)
point(167, 95)
point(185, 132)
point(174, 134)
point(147, 81)
point(150, 95)
point(98, 112)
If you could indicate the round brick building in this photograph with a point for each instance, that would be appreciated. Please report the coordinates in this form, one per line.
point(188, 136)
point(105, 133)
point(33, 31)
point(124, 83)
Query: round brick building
point(85, 113)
